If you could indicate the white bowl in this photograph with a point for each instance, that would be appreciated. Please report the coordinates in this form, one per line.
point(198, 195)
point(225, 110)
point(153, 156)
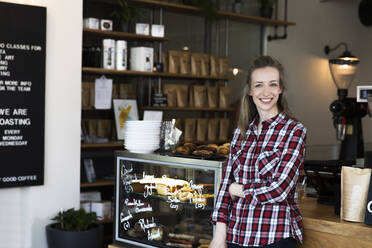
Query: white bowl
point(143, 123)
point(141, 129)
point(142, 151)
point(142, 137)
point(148, 148)
point(142, 142)
point(142, 132)
point(138, 146)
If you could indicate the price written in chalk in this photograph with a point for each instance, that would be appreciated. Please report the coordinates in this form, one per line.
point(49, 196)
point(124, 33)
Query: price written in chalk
point(125, 220)
point(173, 202)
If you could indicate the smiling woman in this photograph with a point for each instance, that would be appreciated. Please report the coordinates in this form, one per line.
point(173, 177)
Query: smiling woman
point(257, 202)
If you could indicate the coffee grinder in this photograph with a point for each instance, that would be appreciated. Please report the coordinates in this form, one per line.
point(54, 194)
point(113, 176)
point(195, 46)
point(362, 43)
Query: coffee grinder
point(347, 112)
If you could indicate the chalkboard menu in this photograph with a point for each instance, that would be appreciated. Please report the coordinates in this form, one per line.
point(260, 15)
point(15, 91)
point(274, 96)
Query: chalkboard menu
point(22, 94)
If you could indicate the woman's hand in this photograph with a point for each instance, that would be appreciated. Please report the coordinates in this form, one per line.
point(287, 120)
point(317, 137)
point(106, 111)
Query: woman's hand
point(236, 190)
point(219, 238)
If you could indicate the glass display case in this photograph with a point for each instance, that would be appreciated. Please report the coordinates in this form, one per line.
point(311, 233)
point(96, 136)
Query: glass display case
point(164, 201)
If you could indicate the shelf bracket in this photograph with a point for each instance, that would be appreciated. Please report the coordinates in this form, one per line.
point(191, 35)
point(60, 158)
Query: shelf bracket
point(276, 36)
point(284, 35)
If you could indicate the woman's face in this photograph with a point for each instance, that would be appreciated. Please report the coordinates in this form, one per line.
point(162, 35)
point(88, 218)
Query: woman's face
point(265, 91)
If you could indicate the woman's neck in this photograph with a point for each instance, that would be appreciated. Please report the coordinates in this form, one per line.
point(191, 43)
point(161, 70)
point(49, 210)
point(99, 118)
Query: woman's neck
point(259, 127)
point(264, 116)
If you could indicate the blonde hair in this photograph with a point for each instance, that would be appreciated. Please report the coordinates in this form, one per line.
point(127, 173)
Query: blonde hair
point(248, 109)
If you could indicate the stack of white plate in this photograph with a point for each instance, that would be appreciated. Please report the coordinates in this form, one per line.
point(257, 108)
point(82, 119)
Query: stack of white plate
point(142, 136)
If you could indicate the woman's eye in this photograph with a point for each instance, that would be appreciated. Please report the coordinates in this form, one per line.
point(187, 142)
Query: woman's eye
point(257, 85)
point(274, 84)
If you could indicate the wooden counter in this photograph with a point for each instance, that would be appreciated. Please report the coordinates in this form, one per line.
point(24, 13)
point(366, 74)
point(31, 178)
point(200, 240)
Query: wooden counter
point(323, 229)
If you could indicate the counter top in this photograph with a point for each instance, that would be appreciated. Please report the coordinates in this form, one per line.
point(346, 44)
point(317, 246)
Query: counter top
point(322, 228)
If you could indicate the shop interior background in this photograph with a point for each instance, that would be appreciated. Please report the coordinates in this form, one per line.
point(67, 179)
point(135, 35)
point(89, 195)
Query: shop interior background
point(26, 211)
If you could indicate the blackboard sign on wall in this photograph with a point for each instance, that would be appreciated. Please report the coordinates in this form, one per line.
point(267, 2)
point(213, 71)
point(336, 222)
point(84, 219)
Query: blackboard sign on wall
point(22, 94)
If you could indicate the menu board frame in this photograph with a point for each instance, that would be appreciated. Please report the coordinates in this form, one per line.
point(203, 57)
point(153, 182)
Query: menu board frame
point(22, 94)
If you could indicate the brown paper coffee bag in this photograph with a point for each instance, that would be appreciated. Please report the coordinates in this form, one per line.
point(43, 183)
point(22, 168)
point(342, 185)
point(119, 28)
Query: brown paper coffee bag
point(354, 191)
point(171, 91)
point(190, 126)
point(191, 96)
point(200, 96)
point(182, 95)
point(224, 97)
point(212, 96)
point(224, 129)
point(185, 64)
point(196, 64)
point(174, 59)
point(215, 66)
point(213, 129)
point(202, 129)
point(205, 65)
point(223, 65)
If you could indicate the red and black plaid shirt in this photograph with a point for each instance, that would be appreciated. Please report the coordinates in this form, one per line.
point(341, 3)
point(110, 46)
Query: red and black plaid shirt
point(267, 165)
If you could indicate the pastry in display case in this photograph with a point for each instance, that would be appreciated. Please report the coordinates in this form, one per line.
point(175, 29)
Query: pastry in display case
point(164, 201)
point(211, 151)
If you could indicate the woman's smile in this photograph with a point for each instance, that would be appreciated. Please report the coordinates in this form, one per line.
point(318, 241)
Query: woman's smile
point(266, 100)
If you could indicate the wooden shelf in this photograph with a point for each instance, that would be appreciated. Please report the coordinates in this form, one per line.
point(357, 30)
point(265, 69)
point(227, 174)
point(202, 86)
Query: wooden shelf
point(181, 8)
point(98, 184)
point(94, 109)
point(103, 145)
point(188, 109)
point(114, 34)
point(254, 19)
point(93, 70)
point(186, 9)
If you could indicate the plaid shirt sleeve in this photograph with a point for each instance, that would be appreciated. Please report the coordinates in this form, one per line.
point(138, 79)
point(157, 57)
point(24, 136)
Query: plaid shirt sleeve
point(286, 173)
point(223, 200)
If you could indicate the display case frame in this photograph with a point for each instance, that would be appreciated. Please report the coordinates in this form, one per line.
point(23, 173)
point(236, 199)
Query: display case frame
point(156, 159)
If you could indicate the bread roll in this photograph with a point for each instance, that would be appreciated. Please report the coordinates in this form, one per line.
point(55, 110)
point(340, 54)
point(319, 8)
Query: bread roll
point(223, 150)
point(204, 153)
point(213, 146)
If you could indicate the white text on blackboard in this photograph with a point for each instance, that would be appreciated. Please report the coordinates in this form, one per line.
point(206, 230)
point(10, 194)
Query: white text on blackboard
point(15, 122)
point(20, 46)
point(18, 111)
point(18, 179)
